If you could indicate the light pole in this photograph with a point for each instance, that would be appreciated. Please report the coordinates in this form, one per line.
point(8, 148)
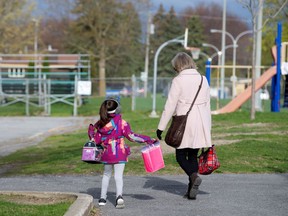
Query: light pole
point(219, 53)
point(36, 21)
point(1, 78)
point(175, 40)
point(35, 42)
point(235, 45)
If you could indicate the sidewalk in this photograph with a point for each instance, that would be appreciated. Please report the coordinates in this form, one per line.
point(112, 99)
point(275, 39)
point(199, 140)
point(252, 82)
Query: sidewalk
point(220, 194)
point(20, 132)
point(153, 195)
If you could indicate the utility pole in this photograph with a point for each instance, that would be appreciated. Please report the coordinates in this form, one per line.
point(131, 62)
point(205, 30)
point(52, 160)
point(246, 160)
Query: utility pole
point(148, 31)
point(258, 102)
point(223, 50)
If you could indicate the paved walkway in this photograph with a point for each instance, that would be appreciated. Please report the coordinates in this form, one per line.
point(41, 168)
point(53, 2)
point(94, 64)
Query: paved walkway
point(20, 132)
point(220, 194)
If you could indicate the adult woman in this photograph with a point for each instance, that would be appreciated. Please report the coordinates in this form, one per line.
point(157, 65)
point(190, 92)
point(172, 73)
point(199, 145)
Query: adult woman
point(198, 127)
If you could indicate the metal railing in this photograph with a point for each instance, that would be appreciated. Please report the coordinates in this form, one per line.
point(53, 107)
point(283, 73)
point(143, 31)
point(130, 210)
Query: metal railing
point(43, 79)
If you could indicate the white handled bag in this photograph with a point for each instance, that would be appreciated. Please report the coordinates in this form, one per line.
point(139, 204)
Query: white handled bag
point(92, 153)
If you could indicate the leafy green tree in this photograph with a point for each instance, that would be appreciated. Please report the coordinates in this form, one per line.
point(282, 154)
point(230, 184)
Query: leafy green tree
point(54, 25)
point(167, 27)
point(196, 38)
point(108, 30)
point(16, 26)
point(129, 60)
point(158, 22)
point(254, 7)
point(270, 29)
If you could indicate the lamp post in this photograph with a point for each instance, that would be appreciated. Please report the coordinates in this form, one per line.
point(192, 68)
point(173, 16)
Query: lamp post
point(219, 53)
point(35, 42)
point(235, 45)
point(0, 78)
point(175, 40)
point(36, 21)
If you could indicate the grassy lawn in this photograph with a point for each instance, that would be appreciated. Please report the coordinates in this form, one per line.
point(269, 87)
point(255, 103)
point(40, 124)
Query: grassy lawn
point(243, 146)
point(17, 205)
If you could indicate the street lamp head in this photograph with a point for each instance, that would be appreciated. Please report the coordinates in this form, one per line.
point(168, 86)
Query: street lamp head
point(35, 20)
point(214, 30)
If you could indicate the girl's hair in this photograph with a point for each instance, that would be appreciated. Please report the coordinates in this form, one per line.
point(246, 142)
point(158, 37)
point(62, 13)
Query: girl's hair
point(107, 107)
point(183, 61)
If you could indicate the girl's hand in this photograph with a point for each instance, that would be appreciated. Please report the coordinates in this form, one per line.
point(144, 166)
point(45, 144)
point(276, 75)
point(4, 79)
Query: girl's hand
point(153, 142)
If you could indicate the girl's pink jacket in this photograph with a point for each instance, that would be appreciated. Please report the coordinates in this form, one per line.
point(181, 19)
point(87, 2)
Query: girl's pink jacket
point(112, 136)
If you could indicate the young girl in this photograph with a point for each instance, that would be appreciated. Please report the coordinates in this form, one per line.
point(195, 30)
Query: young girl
point(111, 130)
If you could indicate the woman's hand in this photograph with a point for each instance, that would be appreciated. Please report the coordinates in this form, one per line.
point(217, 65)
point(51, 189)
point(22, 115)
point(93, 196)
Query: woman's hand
point(158, 133)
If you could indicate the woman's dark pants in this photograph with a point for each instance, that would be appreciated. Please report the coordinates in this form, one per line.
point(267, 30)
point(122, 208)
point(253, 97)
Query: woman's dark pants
point(187, 159)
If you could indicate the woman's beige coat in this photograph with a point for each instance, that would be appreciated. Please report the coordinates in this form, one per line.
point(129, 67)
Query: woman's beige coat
point(181, 94)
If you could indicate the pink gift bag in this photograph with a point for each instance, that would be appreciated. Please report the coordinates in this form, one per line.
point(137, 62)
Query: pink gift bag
point(152, 157)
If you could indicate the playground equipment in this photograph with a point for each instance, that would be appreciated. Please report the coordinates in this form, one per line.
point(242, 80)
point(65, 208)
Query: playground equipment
point(284, 71)
point(246, 94)
point(274, 72)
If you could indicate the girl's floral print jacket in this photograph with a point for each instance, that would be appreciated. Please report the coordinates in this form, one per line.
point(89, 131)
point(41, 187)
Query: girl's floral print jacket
point(112, 136)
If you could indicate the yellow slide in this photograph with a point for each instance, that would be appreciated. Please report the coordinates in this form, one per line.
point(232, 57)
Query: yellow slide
point(234, 104)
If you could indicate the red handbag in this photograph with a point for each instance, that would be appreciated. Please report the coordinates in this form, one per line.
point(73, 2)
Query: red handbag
point(208, 161)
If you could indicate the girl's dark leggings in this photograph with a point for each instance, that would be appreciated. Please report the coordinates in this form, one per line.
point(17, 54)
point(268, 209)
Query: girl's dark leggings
point(187, 159)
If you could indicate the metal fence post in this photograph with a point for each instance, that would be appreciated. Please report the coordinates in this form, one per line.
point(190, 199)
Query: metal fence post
point(27, 97)
point(133, 92)
point(75, 96)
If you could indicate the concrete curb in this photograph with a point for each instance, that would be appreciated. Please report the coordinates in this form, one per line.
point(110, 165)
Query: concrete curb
point(81, 206)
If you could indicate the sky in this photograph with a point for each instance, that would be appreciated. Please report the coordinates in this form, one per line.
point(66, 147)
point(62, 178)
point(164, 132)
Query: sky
point(233, 6)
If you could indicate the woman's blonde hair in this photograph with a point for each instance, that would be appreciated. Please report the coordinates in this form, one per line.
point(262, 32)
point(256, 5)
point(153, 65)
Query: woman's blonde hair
point(183, 61)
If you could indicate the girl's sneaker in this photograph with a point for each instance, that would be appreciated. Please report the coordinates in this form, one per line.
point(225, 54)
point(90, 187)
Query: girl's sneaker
point(102, 202)
point(120, 202)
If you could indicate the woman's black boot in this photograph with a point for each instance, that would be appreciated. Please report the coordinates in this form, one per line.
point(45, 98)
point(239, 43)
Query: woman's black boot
point(186, 195)
point(195, 182)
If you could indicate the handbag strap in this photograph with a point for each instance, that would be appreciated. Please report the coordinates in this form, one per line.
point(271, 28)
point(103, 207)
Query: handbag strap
point(195, 95)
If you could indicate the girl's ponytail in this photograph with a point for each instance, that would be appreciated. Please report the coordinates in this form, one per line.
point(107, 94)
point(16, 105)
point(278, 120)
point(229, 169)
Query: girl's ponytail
point(107, 108)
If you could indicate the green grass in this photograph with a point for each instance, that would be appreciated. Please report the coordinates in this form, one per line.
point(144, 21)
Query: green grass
point(259, 146)
point(8, 208)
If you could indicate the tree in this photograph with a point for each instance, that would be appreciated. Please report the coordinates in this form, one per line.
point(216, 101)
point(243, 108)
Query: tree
point(196, 37)
point(255, 7)
point(167, 27)
point(54, 24)
point(130, 57)
point(268, 39)
point(16, 26)
point(105, 29)
point(210, 17)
